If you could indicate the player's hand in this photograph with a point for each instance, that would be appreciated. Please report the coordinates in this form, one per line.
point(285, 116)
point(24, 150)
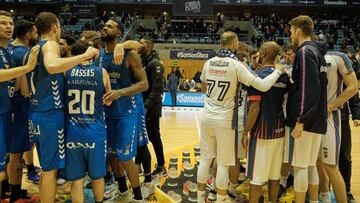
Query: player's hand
point(331, 107)
point(280, 67)
point(33, 57)
point(91, 53)
point(245, 141)
point(356, 123)
point(107, 103)
point(112, 95)
point(297, 132)
point(118, 54)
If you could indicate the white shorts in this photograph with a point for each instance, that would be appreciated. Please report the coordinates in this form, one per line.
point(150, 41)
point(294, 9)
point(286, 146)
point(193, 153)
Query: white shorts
point(264, 159)
point(241, 151)
point(289, 143)
point(218, 143)
point(330, 143)
point(305, 149)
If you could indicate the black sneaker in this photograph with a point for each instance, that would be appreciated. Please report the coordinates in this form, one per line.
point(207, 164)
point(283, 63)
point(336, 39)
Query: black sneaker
point(159, 171)
point(282, 191)
point(350, 198)
point(261, 199)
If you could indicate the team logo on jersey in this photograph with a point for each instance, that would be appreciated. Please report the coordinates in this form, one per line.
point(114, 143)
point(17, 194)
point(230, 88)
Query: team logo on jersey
point(77, 145)
point(158, 69)
point(34, 129)
point(323, 69)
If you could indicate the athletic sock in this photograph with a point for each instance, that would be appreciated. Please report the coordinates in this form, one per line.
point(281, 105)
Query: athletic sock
point(147, 178)
point(137, 193)
point(283, 180)
point(213, 184)
point(325, 197)
point(30, 168)
point(15, 192)
point(220, 198)
point(122, 184)
point(4, 187)
point(201, 196)
point(108, 176)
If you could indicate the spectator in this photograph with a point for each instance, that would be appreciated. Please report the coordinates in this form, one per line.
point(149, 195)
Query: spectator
point(173, 86)
point(197, 75)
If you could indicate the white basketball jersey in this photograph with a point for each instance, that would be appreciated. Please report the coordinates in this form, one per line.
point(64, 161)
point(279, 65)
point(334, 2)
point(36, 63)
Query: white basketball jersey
point(223, 76)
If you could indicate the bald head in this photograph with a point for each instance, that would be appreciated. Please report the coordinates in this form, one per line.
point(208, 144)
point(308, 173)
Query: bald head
point(229, 40)
point(268, 52)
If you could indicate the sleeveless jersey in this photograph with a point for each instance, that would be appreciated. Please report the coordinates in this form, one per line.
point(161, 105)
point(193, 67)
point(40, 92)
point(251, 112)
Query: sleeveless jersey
point(84, 90)
point(7, 88)
point(46, 90)
point(120, 77)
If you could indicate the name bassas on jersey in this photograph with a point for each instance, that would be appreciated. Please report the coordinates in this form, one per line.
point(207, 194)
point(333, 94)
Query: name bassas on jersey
point(82, 73)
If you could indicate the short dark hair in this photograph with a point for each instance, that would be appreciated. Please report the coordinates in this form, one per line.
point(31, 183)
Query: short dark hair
point(304, 23)
point(44, 21)
point(5, 13)
point(79, 47)
point(70, 40)
point(22, 27)
point(119, 25)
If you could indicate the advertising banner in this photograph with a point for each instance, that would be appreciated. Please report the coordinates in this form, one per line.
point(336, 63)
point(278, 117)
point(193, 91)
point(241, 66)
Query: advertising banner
point(192, 55)
point(194, 99)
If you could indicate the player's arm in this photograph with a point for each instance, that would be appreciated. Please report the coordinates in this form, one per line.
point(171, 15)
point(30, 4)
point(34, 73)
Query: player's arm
point(249, 79)
point(24, 86)
point(8, 74)
point(55, 64)
point(134, 61)
point(120, 47)
point(254, 110)
point(107, 85)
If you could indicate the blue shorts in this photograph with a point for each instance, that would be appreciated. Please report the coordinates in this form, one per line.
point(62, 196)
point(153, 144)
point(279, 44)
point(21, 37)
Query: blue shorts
point(122, 137)
point(19, 140)
point(142, 132)
point(5, 126)
point(47, 128)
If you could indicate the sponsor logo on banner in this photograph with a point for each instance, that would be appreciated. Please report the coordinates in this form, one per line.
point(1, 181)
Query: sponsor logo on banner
point(195, 99)
point(192, 55)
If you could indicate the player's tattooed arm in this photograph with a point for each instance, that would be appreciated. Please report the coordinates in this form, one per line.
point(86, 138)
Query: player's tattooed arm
point(134, 64)
point(107, 85)
point(119, 50)
point(8, 74)
point(254, 110)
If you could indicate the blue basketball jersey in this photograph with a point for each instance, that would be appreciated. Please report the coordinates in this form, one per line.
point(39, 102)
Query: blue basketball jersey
point(20, 55)
point(46, 90)
point(7, 88)
point(84, 88)
point(120, 77)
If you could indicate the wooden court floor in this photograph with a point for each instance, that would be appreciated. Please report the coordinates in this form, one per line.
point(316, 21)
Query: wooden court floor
point(180, 128)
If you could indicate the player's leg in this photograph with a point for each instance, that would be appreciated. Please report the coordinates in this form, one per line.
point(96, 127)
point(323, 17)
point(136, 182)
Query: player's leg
point(277, 151)
point(98, 189)
point(47, 186)
point(324, 184)
point(2, 153)
point(285, 167)
point(32, 170)
point(313, 176)
point(14, 171)
point(208, 153)
point(77, 191)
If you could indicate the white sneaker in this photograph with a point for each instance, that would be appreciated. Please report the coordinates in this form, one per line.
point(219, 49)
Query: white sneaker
point(148, 189)
point(212, 196)
point(111, 191)
point(125, 197)
point(60, 181)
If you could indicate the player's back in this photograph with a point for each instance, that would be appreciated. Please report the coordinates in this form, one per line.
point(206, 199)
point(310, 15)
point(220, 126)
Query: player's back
point(120, 77)
point(46, 90)
point(338, 64)
point(221, 76)
point(84, 89)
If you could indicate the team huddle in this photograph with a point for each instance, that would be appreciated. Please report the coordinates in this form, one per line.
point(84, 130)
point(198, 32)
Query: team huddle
point(282, 122)
point(81, 106)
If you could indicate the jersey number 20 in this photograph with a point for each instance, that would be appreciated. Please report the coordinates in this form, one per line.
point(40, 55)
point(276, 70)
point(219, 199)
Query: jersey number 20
point(86, 95)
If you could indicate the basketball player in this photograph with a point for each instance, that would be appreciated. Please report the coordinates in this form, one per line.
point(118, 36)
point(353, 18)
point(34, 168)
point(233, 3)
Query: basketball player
point(126, 79)
point(19, 142)
point(306, 107)
point(85, 126)
point(221, 78)
point(65, 43)
point(46, 118)
point(8, 72)
point(266, 124)
point(339, 71)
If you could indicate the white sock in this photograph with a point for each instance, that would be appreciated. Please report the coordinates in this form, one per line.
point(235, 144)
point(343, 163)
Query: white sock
point(201, 196)
point(283, 180)
point(232, 188)
point(213, 184)
point(310, 201)
point(325, 197)
point(220, 198)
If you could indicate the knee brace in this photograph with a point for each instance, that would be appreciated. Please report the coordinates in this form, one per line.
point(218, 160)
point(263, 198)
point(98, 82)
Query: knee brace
point(203, 170)
point(313, 175)
point(222, 177)
point(300, 179)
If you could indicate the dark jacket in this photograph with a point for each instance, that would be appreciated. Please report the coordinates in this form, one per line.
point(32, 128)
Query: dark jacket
point(307, 100)
point(173, 82)
point(154, 72)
